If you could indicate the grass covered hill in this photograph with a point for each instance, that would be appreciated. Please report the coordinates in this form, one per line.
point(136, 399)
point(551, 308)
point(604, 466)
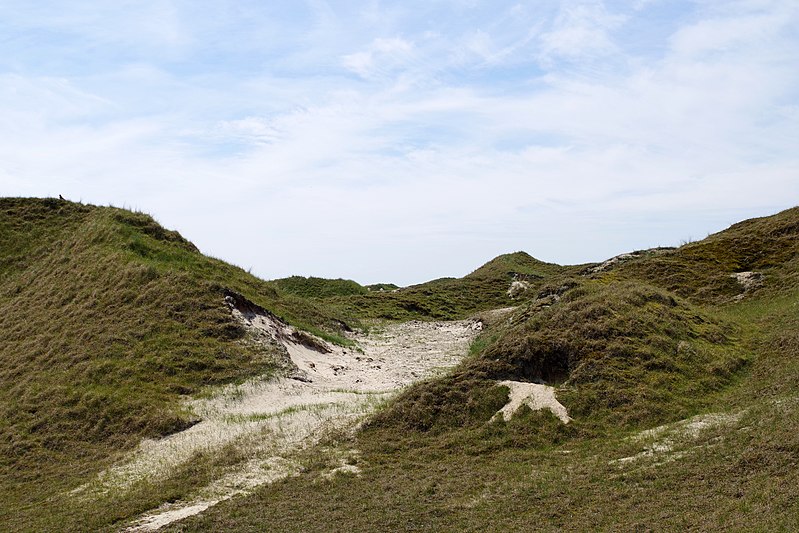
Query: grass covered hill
point(639, 340)
point(313, 287)
point(704, 271)
point(680, 369)
point(453, 298)
point(106, 321)
point(440, 299)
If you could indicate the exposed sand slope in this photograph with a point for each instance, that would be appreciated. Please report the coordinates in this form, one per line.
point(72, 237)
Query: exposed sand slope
point(331, 387)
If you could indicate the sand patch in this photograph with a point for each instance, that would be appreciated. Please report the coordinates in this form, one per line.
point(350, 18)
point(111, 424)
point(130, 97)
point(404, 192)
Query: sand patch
point(533, 395)
point(749, 281)
point(663, 441)
point(517, 288)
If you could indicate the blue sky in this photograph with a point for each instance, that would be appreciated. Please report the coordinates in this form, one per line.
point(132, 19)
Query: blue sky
point(404, 141)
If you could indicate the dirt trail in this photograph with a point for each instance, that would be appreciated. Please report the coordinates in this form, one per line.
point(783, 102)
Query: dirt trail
point(271, 420)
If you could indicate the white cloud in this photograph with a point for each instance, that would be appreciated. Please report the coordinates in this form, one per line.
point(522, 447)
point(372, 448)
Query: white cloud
point(382, 57)
point(56, 97)
point(455, 142)
point(733, 31)
point(249, 130)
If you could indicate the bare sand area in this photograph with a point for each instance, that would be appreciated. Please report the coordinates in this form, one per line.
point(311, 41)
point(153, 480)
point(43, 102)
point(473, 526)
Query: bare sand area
point(329, 387)
point(326, 388)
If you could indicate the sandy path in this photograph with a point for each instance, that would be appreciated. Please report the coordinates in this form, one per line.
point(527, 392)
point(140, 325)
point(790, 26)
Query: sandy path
point(270, 420)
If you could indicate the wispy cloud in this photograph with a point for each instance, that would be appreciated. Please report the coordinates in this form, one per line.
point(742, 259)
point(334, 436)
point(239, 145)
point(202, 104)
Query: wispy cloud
point(382, 55)
point(581, 30)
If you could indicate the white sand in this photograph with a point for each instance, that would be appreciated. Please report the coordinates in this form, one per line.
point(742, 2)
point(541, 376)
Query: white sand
point(533, 395)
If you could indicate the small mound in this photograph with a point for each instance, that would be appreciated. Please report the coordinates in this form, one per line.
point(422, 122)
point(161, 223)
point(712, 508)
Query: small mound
point(313, 287)
point(629, 348)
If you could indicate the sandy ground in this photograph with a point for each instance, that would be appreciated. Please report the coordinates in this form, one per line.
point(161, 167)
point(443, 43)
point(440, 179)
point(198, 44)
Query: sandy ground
point(331, 387)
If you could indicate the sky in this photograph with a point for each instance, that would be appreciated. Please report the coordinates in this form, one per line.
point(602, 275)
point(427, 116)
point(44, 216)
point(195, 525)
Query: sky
point(405, 141)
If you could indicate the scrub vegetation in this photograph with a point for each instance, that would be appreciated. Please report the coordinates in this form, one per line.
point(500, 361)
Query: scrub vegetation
point(679, 369)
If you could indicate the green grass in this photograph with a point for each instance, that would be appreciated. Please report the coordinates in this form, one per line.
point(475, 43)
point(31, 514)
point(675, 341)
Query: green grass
point(453, 298)
point(107, 320)
point(701, 270)
point(624, 354)
point(741, 477)
point(652, 341)
point(379, 287)
point(534, 473)
point(442, 299)
point(319, 287)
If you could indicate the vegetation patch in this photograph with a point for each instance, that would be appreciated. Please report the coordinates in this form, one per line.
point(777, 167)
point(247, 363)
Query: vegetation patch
point(701, 270)
point(622, 354)
point(319, 287)
point(623, 351)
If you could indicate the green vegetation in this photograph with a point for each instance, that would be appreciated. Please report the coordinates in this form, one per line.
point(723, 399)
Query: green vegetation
point(702, 270)
point(451, 298)
point(379, 287)
point(624, 354)
point(737, 477)
point(107, 319)
point(441, 299)
point(319, 287)
point(652, 340)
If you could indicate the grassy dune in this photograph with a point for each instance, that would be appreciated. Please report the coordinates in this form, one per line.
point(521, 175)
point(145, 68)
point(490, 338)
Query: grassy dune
point(660, 339)
point(107, 320)
point(453, 298)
